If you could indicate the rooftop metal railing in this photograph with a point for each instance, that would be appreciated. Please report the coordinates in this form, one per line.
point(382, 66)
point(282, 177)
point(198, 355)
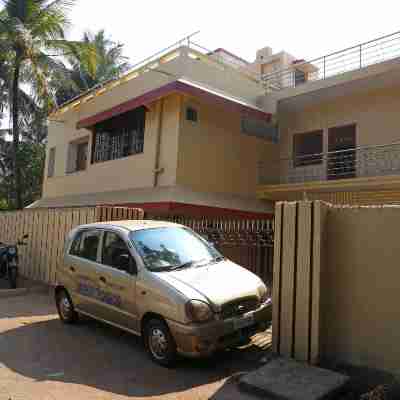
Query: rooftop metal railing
point(353, 58)
point(365, 161)
point(154, 63)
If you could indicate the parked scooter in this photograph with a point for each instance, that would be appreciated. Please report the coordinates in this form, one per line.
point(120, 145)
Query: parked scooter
point(9, 261)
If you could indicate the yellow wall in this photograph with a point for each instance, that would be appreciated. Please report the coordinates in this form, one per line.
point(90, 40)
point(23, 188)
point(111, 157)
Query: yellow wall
point(137, 171)
point(376, 114)
point(214, 156)
point(211, 156)
point(360, 308)
point(336, 284)
point(131, 172)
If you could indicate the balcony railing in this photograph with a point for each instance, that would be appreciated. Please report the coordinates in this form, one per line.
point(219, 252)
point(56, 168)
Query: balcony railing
point(367, 161)
point(353, 58)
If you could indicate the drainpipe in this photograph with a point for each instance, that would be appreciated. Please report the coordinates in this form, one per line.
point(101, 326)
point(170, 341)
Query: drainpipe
point(157, 169)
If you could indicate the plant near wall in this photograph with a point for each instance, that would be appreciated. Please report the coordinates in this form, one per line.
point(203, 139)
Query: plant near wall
point(32, 40)
point(31, 157)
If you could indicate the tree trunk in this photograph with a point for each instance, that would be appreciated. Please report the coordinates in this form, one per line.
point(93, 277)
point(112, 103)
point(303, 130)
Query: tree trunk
point(15, 125)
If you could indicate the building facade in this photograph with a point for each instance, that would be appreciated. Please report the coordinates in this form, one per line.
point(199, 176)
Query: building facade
point(166, 137)
point(208, 133)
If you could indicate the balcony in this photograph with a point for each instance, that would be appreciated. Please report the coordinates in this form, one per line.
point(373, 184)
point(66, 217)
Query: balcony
point(353, 58)
point(360, 168)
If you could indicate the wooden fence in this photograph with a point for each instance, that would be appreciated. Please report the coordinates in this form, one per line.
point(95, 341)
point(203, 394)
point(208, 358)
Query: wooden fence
point(47, 230)
point(246, 242)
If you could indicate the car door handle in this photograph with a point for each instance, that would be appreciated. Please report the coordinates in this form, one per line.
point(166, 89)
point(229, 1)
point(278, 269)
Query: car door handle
point(72, 269)
point(102, 279)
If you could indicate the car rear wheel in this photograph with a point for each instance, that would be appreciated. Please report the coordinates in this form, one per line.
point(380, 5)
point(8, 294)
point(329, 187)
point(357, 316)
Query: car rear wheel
point(65, 307)
point(159, 343)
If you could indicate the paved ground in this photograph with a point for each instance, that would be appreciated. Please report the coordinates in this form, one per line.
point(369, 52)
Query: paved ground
point(42, 359)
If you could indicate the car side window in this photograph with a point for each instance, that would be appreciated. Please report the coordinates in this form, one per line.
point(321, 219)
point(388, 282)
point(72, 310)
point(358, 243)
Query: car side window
point(75, 246)
point(86, 244)
point(116, 253)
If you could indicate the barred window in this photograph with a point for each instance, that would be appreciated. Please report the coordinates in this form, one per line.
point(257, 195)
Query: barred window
point(120, 136)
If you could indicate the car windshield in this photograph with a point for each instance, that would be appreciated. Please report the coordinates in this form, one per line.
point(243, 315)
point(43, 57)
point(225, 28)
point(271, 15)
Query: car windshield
point(169, 248)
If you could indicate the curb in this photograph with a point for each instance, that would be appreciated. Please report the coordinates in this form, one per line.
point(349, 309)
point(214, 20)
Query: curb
point(4, 293)
point(13, 292)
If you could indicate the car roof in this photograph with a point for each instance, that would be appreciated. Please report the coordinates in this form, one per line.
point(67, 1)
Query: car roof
point(130, 225)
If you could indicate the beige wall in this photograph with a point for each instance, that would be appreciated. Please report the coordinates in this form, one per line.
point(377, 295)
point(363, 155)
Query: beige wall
point(361, 287)
point(131, 172)
point(375, 113)
point(137, 171)
point(336, 284)
point(214, 156)
point(211, 156)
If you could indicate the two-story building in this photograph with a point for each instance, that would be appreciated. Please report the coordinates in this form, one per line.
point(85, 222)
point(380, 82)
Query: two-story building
point(200, 133)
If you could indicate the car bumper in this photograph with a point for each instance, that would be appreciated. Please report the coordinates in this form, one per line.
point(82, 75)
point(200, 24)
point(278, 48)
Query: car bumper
point(198, 340)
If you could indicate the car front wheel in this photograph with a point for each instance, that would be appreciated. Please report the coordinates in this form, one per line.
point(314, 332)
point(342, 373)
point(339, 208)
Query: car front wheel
point(160, 343)
point(65, 308)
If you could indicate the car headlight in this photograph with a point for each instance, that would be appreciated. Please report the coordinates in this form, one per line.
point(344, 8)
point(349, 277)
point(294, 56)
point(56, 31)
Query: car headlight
point(263, 293)
point(198, 311)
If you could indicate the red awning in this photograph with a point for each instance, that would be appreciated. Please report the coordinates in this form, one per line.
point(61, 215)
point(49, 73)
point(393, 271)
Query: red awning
point(210, 96)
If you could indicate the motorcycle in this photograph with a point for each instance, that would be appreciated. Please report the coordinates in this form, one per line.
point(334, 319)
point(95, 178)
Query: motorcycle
point(9, 261)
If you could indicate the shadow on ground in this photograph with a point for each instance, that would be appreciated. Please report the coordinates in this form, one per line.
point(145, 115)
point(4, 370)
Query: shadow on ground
point(94, 354)
point(23, 306)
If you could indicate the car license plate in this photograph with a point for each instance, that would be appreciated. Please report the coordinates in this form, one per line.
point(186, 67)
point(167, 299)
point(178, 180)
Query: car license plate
point(243, 322)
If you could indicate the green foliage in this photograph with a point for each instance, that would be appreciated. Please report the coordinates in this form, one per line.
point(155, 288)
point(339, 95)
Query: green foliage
point(88, 71)
point(35, 54)
point(4, 205)
point(32, 40)
point(31, 158)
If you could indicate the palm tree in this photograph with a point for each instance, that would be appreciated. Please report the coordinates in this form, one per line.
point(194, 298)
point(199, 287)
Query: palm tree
point(31, 38)
point(110, 64)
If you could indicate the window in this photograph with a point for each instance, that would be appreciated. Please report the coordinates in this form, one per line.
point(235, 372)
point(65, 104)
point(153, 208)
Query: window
point(85, 245)
point(116, 253)
point(120, 136)
point(75, 247)
point(307, 148)
point(77, 155)
point(191, 114)
point(81, 156)
point(299, 77)
point(259, 128)
point(51, 162)
point(163, 249)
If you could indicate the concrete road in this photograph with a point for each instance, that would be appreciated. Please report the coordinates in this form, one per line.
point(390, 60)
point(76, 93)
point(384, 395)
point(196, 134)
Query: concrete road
point(40, 358)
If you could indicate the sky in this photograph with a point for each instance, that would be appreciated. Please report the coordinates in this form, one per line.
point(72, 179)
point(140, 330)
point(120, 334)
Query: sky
point(307, 29)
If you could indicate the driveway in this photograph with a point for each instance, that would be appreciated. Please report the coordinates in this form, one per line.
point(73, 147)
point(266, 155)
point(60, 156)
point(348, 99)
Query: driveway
point(42, 359)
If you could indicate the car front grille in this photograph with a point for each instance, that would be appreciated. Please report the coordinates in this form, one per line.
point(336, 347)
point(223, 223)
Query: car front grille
point(239, 307)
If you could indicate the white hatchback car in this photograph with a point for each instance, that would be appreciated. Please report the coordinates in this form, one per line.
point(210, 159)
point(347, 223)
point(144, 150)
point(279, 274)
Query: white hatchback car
point(164, 282)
